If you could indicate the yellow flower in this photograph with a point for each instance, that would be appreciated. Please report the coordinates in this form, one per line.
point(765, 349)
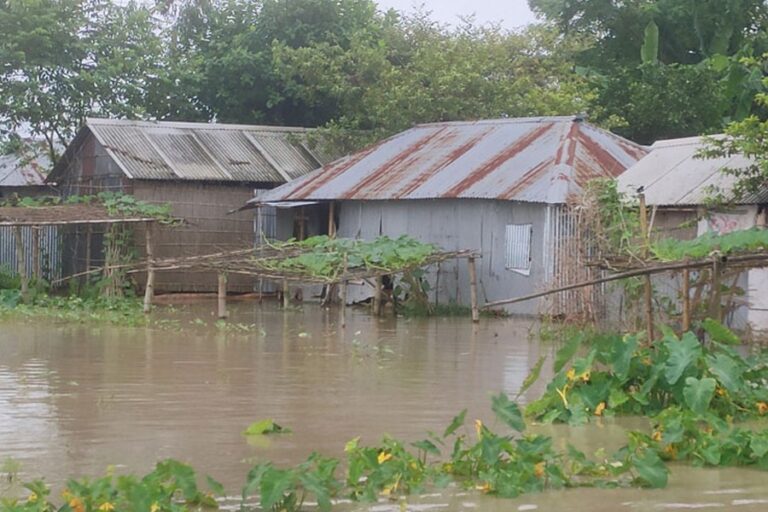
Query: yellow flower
point(670, 451)
point(76, 504)
point(486, 487)
point(155, 507)
point(647, 361)
point(32, 498)
point(538, 469)
point(479, 428)
point(384, 457)
point(656, 435)
point(571, 375)
point(599, 409)
point(585, 376)
point(66, 494)
point(106, 507)
point(762, 407)
point(720, 391)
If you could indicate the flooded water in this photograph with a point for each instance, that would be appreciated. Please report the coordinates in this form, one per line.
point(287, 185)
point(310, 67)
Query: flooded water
point(75, 399)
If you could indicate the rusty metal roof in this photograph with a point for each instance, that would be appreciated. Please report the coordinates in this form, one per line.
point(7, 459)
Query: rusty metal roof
point(156, 150)
point(672, 174)
point(24, 169)
point(544, 159)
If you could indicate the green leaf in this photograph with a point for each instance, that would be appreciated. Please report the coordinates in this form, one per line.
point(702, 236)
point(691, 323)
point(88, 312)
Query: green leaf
point(532, 377)
point(650, 469)
point(621, 356)
point(649, 52)
point(215, 486)
point(720, 333)
point(727, 371)
point(457, 422)
point(567, 351)
point(428, 446)
point(508, 412)
point(682, 354)
point(265, 427)
point(273, 487)
point(698, 393)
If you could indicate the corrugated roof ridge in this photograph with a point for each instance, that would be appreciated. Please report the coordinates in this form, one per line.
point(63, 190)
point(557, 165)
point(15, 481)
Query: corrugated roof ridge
point(503, 120)
point(188, 125)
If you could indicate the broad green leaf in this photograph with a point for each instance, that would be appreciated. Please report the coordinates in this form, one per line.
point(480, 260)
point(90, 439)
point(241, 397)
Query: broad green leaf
point(457, 422)
point(727, 371)
point(215, 486)
point(682, 354)
point(720, 333)
point(508, 412)
point(621, 356)
point(698, 393)
point(274, 484)
point(649, 52)
point(428, 446)
point(265, 427)
point(651, 470)
point(533, 376)
point(567, 352)
point(616, 398)
point(759, 445)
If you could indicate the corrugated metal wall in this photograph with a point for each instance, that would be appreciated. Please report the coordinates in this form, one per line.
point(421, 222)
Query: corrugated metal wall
point(50, 251)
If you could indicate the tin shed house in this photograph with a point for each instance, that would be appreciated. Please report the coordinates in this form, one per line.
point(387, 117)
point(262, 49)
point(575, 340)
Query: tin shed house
point(500, 187)
point(200, 169)
point(678, 185)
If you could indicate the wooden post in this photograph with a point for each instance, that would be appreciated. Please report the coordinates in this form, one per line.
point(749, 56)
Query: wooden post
point(88, 232)
point(37, 270)
point(222, 295)
point(302, 218)
point(715, 308)
point(343, 304)
point(686, 323)
point(377, 293)
point(21, 263)
point(473, 288)
point(149, 289)
point(286, 294)
point(332, 220)
point(648, 285)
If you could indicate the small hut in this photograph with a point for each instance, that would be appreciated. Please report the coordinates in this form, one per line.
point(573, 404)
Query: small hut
point(502, 188)
point(678, 187)
point(199, 169)
point(22, 175)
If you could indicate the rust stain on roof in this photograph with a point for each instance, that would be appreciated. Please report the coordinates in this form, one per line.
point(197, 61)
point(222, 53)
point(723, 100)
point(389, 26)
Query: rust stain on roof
point(530, 159)
point(498, 160)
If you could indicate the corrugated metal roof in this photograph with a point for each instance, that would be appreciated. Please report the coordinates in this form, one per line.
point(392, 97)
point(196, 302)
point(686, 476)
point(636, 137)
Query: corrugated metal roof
point(200, 151)
point(546, 159)
point(672, 174)
point(25, 169)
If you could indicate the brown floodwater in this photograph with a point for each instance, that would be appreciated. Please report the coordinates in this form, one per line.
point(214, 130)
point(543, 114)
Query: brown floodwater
point(75, 399)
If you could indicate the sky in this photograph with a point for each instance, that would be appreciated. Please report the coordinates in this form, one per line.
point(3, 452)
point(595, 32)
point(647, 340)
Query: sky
point(508, 13)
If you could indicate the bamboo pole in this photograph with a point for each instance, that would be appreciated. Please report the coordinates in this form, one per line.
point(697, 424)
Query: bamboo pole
point(222, 296)
point(473, 288)
point(37, 270)
point(343, 303)
point(686, 323)
point(647, 285)
point(286, 294)
point(762, 258)
point(377, 294)
point(149, 289)
point(21, 263)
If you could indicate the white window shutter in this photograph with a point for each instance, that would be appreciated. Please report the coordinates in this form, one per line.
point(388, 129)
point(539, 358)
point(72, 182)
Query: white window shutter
point(518, 248)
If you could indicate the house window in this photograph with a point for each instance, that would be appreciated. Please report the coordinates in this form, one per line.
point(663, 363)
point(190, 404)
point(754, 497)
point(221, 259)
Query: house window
point(518, 248)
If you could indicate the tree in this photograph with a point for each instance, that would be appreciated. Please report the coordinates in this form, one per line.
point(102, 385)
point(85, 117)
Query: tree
point(64, 60)
point(415, 71)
